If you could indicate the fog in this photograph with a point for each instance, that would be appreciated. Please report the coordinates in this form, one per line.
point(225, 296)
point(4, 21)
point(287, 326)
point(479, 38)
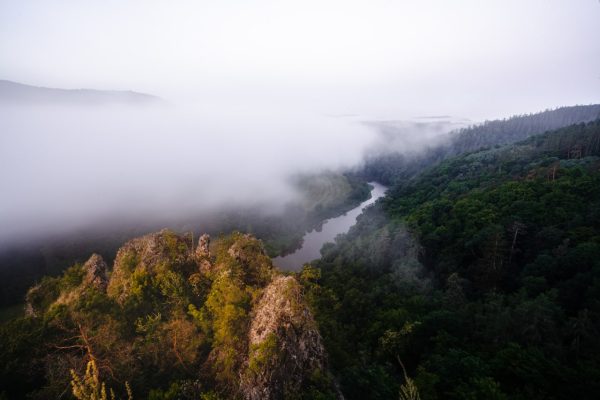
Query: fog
point(64, 167)
point(258, 91)
point(412, 136)
point(382, 58)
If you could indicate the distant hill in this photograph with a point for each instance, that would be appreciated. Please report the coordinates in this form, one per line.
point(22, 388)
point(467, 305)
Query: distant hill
point(18, 93)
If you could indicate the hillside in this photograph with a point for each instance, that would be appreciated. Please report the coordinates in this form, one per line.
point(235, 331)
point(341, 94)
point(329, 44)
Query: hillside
point(395, 167)
point(478, 278)
point(168, 320)
point(21, 94)
point(321, 196)
point(481, 275)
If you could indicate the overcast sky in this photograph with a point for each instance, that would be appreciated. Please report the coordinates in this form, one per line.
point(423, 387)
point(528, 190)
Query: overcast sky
point(387, 58)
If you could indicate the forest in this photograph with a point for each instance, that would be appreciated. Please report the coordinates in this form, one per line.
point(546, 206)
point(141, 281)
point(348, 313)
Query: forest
point(169, 320)
point(480, 276)
point(476, 278)
point(300, 200)
point(397, 167)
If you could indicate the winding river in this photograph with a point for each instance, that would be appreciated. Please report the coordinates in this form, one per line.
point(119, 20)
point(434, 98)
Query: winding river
point(314, 240)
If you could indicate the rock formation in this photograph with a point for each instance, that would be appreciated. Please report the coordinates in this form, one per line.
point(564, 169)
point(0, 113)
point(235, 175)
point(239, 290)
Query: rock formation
point(147, 254)
point(95, 273)
point(285, 347)
point(242, 326)
point(203, 246)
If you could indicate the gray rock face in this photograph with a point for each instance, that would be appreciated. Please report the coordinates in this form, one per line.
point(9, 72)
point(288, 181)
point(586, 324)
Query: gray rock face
point(285, 347)
point(203, 246)
point(95, 272)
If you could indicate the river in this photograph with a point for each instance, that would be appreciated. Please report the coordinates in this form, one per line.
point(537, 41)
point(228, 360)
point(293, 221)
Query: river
point(314, 240)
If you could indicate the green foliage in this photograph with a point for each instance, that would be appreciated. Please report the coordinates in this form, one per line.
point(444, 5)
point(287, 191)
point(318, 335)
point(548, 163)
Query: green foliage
point(129, 261)
point(227, 306)
point(162, 325)
point(480, 388)
point(20, 353)
point(72, 277)
point(89, 386)
point(263, 353)
point(482, 274)
point(172, 393)
point(409, 390)
point(175, 246)
point(508, 259)
point(396, 168)
point(41, 296)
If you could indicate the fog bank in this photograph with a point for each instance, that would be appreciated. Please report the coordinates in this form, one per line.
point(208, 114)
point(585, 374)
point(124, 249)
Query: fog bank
point(67, 167)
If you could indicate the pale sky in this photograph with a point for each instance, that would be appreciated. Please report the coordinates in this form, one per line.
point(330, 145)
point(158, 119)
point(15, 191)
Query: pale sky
point(469, 58)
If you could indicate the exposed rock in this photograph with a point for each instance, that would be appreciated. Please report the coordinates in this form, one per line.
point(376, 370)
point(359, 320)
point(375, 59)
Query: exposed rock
point(42, 296)
point(33, 301)
point(269, 346)
point(95, 273)
point(246, 249)
point(248, 253)
point(205, 266)
point(148, 254)
point(285, 347)
point(202, 254)
point(203, 246)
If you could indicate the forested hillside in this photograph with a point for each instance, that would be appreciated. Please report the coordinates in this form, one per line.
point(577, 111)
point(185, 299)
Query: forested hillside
point(481, 276)
point(397, 167)
point(478, 278)
point(169, 320)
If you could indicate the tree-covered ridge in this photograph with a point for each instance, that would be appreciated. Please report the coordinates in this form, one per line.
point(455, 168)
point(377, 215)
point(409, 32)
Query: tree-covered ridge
point(519, 127)
point(482, 275)
point(396, 168)
point(169, 320)
point(321, 196)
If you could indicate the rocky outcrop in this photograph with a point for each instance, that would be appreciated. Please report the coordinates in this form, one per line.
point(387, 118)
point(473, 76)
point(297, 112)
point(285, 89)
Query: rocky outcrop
point(203, 246)
point(248, 253)
point(33, 301)
point(95, 273)
point(202, 254)
point(246, 249)
point(262, 339)
point(285, 347)
point(155, 248)
point(147, 255)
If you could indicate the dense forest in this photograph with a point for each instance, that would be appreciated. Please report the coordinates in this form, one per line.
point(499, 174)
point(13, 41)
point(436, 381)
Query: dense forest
point(476, 278)
point(480, 277)
point(394, 167)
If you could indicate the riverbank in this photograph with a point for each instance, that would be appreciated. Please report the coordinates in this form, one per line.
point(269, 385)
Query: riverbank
point(329, 229)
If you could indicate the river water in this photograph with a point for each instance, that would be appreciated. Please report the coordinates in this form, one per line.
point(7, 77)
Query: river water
point(314, 240)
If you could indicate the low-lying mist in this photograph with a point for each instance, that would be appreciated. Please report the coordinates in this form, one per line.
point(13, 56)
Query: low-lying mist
point(411, 136)
point(66, 167)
